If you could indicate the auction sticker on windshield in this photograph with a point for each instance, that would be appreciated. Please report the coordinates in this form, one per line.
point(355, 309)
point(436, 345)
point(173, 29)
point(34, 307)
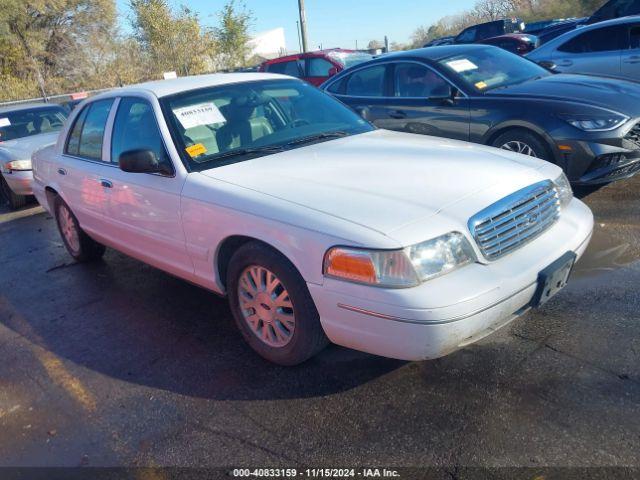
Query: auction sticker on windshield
point(197, 115)
point(4, 122)
point(462, 65)
point(196, 150)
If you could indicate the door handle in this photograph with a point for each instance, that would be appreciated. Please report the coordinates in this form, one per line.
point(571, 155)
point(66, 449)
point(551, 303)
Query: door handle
point(633, 59)
point(564, 63)
point(62, 171)
point(399, 114)
point(106, 183)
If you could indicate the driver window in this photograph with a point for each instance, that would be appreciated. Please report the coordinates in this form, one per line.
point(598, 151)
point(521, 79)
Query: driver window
point(416, 81)
point(135, 128)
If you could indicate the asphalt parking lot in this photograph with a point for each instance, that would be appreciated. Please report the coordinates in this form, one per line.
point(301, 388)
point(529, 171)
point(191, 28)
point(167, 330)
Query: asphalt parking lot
point(117, 364)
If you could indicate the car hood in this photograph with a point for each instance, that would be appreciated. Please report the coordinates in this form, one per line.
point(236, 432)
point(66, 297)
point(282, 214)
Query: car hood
point(618, 95)
point(23, 148)
point(384, 180)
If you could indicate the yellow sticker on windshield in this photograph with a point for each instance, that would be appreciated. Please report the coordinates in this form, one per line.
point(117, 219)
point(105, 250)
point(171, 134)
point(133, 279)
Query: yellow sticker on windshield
point(195, 150)
point(481, 85)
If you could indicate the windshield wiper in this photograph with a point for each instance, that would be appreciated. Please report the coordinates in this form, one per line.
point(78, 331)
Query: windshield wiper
point(315, 138)
point(247, 151)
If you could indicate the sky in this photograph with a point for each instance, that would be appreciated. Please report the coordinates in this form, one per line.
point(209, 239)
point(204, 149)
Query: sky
point(331, 23)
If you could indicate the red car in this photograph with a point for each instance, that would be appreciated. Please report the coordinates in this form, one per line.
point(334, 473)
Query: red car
point(520, 43)
point(315, 67)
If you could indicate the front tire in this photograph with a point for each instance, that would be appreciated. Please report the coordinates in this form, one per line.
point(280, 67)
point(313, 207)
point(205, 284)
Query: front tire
point(524, 142)
point(272, 306)
point(79, 245)
point(15, 201)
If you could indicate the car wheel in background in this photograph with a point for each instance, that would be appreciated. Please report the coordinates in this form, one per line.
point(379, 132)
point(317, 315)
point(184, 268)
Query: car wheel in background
point(15, 201)
point(524, 142)
point(272, 306)
point(79, 245)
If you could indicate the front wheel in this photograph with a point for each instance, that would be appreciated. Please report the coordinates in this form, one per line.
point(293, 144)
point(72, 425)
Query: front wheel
point(524, 142)
point(272, 306)
point(15, 201)
point(79, 245)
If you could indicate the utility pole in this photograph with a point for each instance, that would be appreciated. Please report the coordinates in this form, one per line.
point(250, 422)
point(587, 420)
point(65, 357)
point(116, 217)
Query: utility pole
point(303, 25)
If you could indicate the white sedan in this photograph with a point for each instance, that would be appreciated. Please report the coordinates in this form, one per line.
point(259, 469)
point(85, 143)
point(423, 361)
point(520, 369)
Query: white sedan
point(317, 226)
point(24, 129)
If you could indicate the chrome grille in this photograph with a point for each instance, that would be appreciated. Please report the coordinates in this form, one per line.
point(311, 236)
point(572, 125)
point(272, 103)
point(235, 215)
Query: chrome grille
point(515, 220)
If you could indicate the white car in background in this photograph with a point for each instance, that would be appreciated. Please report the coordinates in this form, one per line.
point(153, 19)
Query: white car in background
point(23, 130)
point(317, 226)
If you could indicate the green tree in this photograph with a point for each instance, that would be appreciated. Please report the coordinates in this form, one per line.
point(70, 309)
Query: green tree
point(232, 36)
point(174, 41)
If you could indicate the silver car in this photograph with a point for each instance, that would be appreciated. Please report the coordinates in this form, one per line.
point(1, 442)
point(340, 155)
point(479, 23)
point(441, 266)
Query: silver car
point(610, 48)
point(24, 129)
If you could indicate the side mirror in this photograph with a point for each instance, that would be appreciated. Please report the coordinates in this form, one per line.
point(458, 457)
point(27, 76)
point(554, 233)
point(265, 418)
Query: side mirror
point(141, 161)
point(445, 94)
point(549, 65)
point(363, 112)
point(333, 71)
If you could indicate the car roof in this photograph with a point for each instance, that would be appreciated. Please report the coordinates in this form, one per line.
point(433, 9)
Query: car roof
point(25, 106)
point(163, 88)
point(555, 42)
point(436, 53)
point(316, 53)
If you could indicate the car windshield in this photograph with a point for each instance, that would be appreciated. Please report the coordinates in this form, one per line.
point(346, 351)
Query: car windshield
point(491, 68)
point(230, 123)
point(32, 121)
point(349, 59)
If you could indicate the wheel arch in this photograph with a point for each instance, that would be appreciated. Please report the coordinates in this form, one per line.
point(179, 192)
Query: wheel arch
point(493, 133)
point(229, 246)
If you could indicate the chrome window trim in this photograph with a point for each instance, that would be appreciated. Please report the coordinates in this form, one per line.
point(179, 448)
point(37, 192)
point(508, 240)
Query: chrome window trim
point(384, 97)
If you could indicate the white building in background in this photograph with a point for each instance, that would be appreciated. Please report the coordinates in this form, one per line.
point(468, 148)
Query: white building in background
point(269, 44)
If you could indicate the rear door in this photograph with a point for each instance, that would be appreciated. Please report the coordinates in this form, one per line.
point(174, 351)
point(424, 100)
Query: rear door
point(423, 102)
point(594, 52)
point(366, 90)
point(630, 58)
point(82, 167)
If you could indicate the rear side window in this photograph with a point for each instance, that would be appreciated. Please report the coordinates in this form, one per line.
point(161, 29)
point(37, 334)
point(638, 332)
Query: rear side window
point(368, 82)
point(135, 128)
point(87, 133)
point(599, 40)
point(290, 68)
point(318, 67)
point(468, 35)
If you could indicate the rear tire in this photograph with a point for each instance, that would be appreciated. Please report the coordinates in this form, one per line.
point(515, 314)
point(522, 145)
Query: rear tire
point(15, 201)
point(79, 245)
point(523, 141)
point(272, 306)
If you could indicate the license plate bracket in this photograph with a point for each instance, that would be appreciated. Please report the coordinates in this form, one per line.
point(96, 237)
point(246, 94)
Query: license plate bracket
point(553, 279)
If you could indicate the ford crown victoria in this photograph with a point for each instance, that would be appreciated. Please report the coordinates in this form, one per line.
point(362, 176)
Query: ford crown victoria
point(317, 226)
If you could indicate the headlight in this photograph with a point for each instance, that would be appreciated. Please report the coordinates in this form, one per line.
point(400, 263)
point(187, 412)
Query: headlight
point(563, 187)
point(400, 268)
point(18, 165)
point(596, 123)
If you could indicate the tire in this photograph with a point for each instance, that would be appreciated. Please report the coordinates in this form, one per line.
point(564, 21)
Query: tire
point(15, 201)
point(523, 141)
point(265, 319)
point(79, 245)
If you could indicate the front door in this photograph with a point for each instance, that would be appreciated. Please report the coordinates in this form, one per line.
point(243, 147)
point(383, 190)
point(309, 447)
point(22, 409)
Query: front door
point(144, 208)
point(423, 102)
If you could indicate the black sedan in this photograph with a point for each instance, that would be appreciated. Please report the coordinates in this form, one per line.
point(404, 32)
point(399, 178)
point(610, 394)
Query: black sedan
point(587, 125)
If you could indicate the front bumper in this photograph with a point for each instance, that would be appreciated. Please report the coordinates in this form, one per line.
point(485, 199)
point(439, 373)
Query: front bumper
point(598, 160)
point(448, 312)
point(19, 181)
